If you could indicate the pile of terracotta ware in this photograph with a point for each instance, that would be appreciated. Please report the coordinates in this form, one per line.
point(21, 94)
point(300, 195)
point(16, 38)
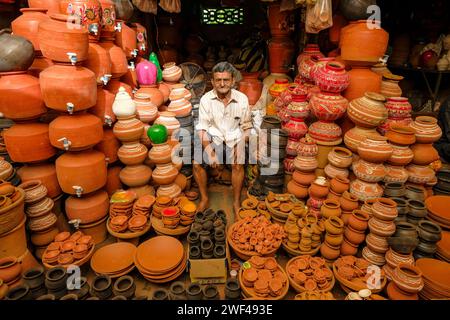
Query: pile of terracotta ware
point(114, 260)
point(307, 273)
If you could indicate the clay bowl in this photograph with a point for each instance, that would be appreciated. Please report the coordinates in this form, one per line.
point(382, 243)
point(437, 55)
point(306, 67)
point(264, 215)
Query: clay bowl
point(113, 258)
point(77, 262)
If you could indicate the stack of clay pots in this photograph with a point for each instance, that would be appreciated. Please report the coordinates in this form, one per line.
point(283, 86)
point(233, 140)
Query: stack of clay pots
point(429, 234)
point(406, 282)
point(348, 202)
point(354, 233)
point(399, 113)
point(331, 247)
point(305, 163)
point(339, 160)
point(317, 192)
point(381, 226)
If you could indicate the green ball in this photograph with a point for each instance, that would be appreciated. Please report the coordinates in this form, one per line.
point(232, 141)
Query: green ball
point(157, 133)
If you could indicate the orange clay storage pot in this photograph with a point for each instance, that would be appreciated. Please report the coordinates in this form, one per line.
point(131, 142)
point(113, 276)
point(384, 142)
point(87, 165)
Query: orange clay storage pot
point(75, 132)
point(20, 96)
point(99, 62)
point(27, 24)
point(89, 208)
point(46, 173)
point(81, 172)
point(59, 39)
point(109, 146)
point(28, 142)
point(103, 107)
point(68, 88)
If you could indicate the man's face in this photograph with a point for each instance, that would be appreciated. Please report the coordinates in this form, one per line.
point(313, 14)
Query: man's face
point(222, 82)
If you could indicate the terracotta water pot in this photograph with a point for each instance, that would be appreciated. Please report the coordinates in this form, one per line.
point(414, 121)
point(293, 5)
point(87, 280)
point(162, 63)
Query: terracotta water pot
point(156, 96)
point(180, 106)
point(136, 175)
point(99, 62)
point(168, 119)
point(319, 188)
point(75, 132)
point(171, 72)
point(332, 77)
point(339, 184)
point(390, 87)
point(109, 146)
point(113, 182)
point(68, 88)
point(57, 37)
point(401, 135)
point(52, 6)
point(280, 22)
point(132, 153)
point(362, 80)
point(81, 172)
point(119, 64)
point(325, 132)
point(126, 40)
point(427, 129)
point(330, 208)
point(89, 208)
point(368, 111)
point(16, 105)
point(46, 173)
point(354, 136)
point(21, 138)
point(145, 109)
point(14, 242)
point(128, 130)
point(281, 52)
point(88, 11)
point(309, 51)
point(340, 157)
point(329, 252)
point(251, 87)
point(27, 24)
point(160, 153)
point(401, 155)
point(424, 153)
point(10, 268)
point(17, 53)
point(303, 178)
point(103, 107)
point(328, 106)
point(375, 149)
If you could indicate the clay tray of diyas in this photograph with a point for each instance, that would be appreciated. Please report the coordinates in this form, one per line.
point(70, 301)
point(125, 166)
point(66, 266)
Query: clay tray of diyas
point(252, 207)
point(128, 234)
point(263, 278)
point(308, 273)
point(295, 253)
point(68, 249)
point(114, 260)
point(255, 237)
point(160, 229)
point(352, 274)
point(279, 205)
point(314, 295)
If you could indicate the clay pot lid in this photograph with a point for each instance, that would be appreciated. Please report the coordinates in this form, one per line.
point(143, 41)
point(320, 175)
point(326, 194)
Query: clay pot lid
point(435, 271)
point(438, 206)
point(160, 254)
point(62, 236)
point(123, 197)
point(113, 258)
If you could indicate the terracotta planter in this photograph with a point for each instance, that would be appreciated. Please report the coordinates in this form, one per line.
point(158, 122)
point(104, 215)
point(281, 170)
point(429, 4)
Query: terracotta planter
point(362, 80)
point(68, 88)
point(17, 53)
point(119, 64)
point(427, 130)
point(328, 106)
point(375, 149)
point(103, 107)
point(21, 138)
point(99, 62)
point(401, 135)
point(126, 40)
point(75, 132)
point(109, 146)
point(16, 105)
point(89, 208)
point(281, 53)
point(135, 176)
point(164, 174)
point(57, 38)
point(128, 130)
point(251, 87)
point(81, 172)
point(354, 136)
point(340, 157)
point(27, 24)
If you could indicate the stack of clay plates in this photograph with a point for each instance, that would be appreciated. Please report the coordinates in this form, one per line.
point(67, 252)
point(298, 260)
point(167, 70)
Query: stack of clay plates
point(114, 260)
point(161, 259)
point(443, 247)
point(438, 210)
point(436, 278)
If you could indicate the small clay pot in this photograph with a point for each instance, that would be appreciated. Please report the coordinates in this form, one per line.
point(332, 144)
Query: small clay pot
point(334, 225)
point(102, 287)
point(83, 292)
point(417, 209)
point(19, 292)
point(56, 278)
point(219, 251)
point(414, 193)
point(34, 277)
point(125, 286)
point(119, 298)
point(160, 294)
point(207, 245)
point(210, 292)
point(178, 291)
point(354, 236)
point(429, 231)
point(330, 208)
point(349, 202)
point(402, 206)
point(232, 288)
point(329, 252)
point(194, 291)
point(194, 252)
point(10, 268)
point(394, 189)
point(348, 248)
point(339, 184)
point(358, 220)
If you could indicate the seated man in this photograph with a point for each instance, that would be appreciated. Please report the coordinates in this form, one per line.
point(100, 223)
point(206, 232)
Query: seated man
point(223, 128)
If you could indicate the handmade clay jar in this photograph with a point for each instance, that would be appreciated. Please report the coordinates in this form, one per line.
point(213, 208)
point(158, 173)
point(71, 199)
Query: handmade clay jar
point(359, 220)
point(319, 188)
point(395, 174)
point(146, 111)
point(126, 39)
point(160, 153)
point(296, 128)
point(334, 239)
point(21, 138)
point(365, 190)
point(385, 209)
point(89, 208)
point(368, 111)
point(180, 106)
point(330, 208)
point(129, 129)
point(339, 184)
point(75, 132)
point(298, 107)
point(328, 106)
point(332, 171)
point(427, 129)
point(58, 37)
point(382, 228)
point(123, 106)
point(362, 80)
point(119, 64)
point(401, 135)
point(329, 252)
point(309, 51)
point(88, 12)
point(156, 96)
point(68, 88)
point(325, 132)
point(135, 176)
point(398, 107)
point(305, 164)
point(27, 24)
point(132, 153)
point(332, 77)
point(179, 89)
point(281, 51)
point(13, 103)
point(420, 174)
point(146, 72)
point(354, 136)
point(369, 172)
point(340, 157)
point(298, 190)
point(10, 269)
point(307, 147)
point(35, 191)
point(348, 248)
point(168, 119)
point(408, 278)
point(303, 178)
point(164, 174)
point(401, 155)
point(109, 145)
point(348, 202)
point(375, 149)
point(251, 86)
point(278, 87)
point(81, 172)
point(171, 72)
point(17, 53)
point(424, 153)
point(389, 85)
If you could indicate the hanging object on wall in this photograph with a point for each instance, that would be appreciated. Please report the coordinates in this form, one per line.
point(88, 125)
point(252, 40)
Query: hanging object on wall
point(148, 6)
point(319, 16)
point(172, 6)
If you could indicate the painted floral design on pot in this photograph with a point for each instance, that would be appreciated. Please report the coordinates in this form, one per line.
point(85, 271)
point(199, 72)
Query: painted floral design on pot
point(389, 85)
point(365, 190)
point(307, 147)
point(368, 171)
point(296, 128)
point(87, 12)
point(395, 174)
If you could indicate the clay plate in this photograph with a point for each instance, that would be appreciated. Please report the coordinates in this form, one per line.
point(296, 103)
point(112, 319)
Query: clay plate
point(438, 206)
point(113, 258)
point(435, 272)
point(128, 234)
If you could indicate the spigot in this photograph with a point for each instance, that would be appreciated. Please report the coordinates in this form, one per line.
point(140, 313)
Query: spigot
point(134, 53)
point(66, 143)
point(384, 59)
point(105, 78)
point(72, 57)
point(78, 190)
point(143, 47)
point(134, 90)
point(107, 161)
point(93, 28)
point(75, 222)
point(70, 106)
point(131, 66)
point(108, 121)
point(118, 27)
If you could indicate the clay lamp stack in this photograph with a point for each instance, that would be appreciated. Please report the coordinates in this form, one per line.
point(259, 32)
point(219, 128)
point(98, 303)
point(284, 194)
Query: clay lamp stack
point(278, 205)
point(399, 113)
point(114, 260)
point(381, 226)
point(429, 234)
point(354, 233)
point(318, 192)
point(165, 173)
point(67, 249)
point(304, 233)
point(39, 210)
point(253, 207)
point(435, 277)
point(330, 248)
point(143, 205)
point(262, 277)
point(161, 259)
point(328, 106)
point(406, 283)
point(304, 164)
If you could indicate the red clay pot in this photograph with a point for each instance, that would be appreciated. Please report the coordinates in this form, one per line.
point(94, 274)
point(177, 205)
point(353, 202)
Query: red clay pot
point(27, 24)
point(109, 146)
point(89, 208)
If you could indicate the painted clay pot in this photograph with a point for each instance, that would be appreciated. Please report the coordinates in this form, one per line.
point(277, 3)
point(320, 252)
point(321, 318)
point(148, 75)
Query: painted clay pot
point(164, 174)
point(132, 153)
point(390, 87)
point(339, 184)
point(427, 130)
point(155, 94)
point(109, 146)
point(165, 90)
point(401, 135)
point(17, 53)
point(123, 106)
point(146, 72)
point(81, 172)
point(141, 38)
point(305, 164)
point(408, 278)
point(46, 173)
point(332, 171)
point(135, 176)
point(368, 111)
point(27, 24)
point(375, 149)
point(180, 106)
point(108, 21)
point(103, 107)
point(99, 62)
point(328, 106)
point(171, 72)
point(13, 103)
point(168, 119)
point(354, 136)
point(368, 171)
point(332, 77)
point(395, 174)
point(88, 12)
point(75, 132)
point(291, 147)
point(307, 147)
point(251, 87)
point(119, 64)
point(128, 130)
point(296, 128)
point(362, 80)
point(398, 107)
point(21, 138)
point(89, 208)
point(365, 190)
point(126, 40)
point(385, 209)
point(340, 157)
point(160, 153)
point(179, 89)
point(281, 53)
point(420, 174)
point(299, 107)
point(325, 131)
point(57, 37)
point(68, 88)
point(401, 155)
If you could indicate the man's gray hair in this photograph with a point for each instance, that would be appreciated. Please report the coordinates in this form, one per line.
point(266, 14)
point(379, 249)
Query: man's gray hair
point(225, 66)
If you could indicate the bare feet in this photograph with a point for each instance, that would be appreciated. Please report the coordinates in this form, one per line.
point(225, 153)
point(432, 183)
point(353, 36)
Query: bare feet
point(203, 204)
